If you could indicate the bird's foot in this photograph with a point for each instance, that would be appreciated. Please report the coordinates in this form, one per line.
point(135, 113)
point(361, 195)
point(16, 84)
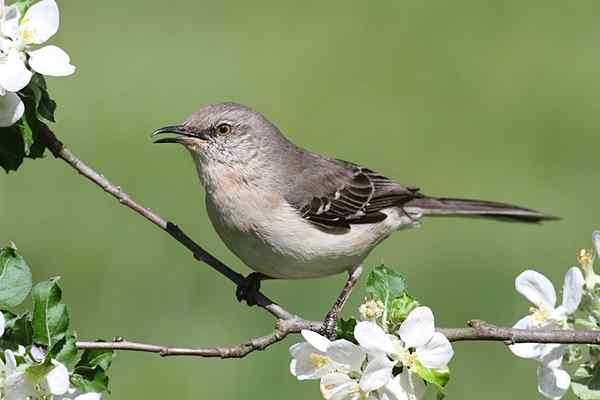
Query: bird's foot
point(249, 288)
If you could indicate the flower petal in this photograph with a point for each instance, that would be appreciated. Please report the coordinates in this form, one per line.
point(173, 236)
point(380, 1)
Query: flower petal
point(16, 386)
point(40, 22)
point(347, 354)
point(51, 61)
point(526, 350)
point(308, 362)
point(436, 353)
point(89, 396)
point(10, 22)
point(536, 288)
point(572, 290)
point(552, 355)
point(11, 110)
point(372, 338)
point(418, 327)
point(596, 241)
point(57, 380)
point(377, 373)
point(412, 385)
point(331, 383)
point(14, 76)
point(2, 320)
point(553, 382)
point(11, 362)
point(317, 341)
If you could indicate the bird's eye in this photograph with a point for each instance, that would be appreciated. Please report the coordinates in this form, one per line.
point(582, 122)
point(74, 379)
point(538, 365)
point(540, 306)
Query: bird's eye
point(224, 129)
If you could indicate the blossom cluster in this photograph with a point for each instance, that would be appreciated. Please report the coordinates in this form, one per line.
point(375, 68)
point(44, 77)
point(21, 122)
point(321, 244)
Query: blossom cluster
point(579, 308)
point(386, 366)
point(389, 354)
point(19, 382)
point(22, 30)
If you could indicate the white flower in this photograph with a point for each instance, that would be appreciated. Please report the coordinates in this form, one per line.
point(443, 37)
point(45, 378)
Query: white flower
point(39, 24)
point(371, 310)
point(14, 383)
point(419, 345)
point(553, 381)
point(319, 356)
point(11, 109)
point(75, 394)
point(585, 258)
point(57, 381)
point(545, 315)
point(338, 386)
point(2, 324)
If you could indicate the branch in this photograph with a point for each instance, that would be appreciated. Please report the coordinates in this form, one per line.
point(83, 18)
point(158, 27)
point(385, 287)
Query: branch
point(478, 331)
point(484, 331)
point(60, 151)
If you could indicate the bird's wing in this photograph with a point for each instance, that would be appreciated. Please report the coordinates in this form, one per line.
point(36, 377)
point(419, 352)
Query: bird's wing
point(340, 193)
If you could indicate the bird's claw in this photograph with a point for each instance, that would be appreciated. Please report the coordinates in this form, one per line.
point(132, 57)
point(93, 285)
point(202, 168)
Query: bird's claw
point(248, 289)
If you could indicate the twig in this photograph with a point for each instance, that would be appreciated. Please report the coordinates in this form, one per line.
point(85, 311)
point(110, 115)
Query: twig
point(283, 328)
point(479, 331)
point(484, 331)
point(60, 151)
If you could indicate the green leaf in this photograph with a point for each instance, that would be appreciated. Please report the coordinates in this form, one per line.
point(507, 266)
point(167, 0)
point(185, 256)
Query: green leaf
point(50, 317)
point(15, 278)
point(65, 352)
point(90, 380)
point(17, 332)
point(399, 309)
point(12, 148)
point(23, 6)
point(585, 383)
point(345, 329)
point(37, 372)
point(90, 372)
point(385, 284)
point(93, 358)
point(438, 377)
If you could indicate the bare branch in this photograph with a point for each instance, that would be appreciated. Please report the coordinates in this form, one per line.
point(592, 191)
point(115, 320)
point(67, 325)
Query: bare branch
point(479, 331)
point(483, 331)
point(283, 328)
point(60, 151)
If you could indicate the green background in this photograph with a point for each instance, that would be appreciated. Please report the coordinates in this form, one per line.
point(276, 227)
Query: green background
point(494, 100)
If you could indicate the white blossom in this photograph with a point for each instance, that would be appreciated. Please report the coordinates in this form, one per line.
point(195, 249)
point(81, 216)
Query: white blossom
point(75, 394)
point(18, 40)
point(545, 315)
point(319, 356)
point(419, 345)
point(57, 381)
point(371, 309)
point(2, 324)
point(14, 384)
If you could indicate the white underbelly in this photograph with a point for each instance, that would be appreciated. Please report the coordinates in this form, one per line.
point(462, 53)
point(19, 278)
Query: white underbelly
point(276, 241)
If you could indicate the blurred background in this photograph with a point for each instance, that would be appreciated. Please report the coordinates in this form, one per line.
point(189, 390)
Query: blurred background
point(490, 100)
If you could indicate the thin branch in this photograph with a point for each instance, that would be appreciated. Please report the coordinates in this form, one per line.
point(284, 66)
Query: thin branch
point(484, 331)
point(283, 328)
point(60, 151)
point(479, 331)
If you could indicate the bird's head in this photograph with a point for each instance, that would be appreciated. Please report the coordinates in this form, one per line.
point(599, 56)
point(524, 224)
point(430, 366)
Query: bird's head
point(224, 133)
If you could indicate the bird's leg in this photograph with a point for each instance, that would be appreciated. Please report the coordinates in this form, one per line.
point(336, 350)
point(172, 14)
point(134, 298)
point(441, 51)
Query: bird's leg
point(330, 322)
point(249, 287)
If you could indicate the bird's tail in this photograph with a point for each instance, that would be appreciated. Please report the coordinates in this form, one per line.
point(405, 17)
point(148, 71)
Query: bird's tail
point(440, 206)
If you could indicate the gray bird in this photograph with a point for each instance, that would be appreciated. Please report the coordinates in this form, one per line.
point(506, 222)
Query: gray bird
point(289, 213)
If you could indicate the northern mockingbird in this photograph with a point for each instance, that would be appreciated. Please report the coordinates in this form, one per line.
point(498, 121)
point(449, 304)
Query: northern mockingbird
point(288, 213)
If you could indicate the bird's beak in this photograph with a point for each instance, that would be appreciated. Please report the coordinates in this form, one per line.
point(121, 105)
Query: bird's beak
point(183, 135)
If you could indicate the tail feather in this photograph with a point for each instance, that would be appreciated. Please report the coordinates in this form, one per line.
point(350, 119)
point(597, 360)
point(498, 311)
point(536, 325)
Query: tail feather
point(441, 206)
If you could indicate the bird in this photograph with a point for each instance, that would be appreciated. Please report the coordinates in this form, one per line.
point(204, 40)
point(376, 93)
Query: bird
point(289, 213)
